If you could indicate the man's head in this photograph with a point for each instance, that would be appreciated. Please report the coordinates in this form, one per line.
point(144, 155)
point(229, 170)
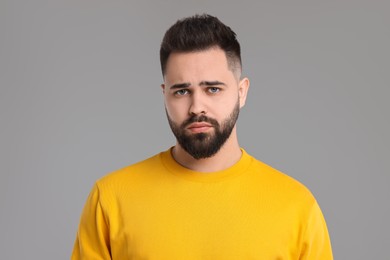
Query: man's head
point(202, 87)
point(198, 33)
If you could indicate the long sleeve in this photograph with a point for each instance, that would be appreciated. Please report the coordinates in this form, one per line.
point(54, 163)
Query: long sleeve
point(92, 241)
point(316, 241)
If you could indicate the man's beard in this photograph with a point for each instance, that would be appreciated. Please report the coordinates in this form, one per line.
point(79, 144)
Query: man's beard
point(204, 145)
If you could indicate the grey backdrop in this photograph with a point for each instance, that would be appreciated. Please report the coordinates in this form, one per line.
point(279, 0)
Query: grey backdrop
point(80, 97)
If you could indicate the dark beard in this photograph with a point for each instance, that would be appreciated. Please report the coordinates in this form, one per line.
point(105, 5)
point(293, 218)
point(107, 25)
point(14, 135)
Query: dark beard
point(205, 145)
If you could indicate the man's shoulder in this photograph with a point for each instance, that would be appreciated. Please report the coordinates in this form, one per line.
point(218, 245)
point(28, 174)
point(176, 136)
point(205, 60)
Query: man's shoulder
point(132, 171)
point(279, 182)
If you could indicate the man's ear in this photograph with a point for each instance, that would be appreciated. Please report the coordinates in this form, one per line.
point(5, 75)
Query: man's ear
point(243, 87)
point(163, 87)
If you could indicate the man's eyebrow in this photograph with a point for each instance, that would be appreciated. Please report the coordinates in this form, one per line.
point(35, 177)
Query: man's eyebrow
point(212, 83)
point(180, 85)
point(202, 83)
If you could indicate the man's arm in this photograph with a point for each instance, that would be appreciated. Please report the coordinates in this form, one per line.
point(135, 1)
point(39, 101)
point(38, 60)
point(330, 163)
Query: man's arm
point(92, 241)
point(316, 242)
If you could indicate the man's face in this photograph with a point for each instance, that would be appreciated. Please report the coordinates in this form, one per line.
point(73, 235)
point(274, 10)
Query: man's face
point(202, 99)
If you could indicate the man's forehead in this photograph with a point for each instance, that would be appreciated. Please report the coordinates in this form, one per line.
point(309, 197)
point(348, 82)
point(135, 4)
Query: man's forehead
point(211, 60)
point(208, 65)
point(210, 53)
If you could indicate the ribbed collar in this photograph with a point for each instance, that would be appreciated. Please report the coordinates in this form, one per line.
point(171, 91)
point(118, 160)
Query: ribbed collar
point(172, 166)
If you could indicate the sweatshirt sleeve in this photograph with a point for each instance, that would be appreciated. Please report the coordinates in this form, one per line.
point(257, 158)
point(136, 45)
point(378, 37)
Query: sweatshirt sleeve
point(92, 240)
point(316, 241)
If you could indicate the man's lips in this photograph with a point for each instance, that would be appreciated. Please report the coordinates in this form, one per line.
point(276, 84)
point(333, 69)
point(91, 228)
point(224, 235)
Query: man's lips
point(199, 127)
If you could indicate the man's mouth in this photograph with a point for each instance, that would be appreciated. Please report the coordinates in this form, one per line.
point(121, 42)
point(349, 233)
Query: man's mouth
point(199, 127)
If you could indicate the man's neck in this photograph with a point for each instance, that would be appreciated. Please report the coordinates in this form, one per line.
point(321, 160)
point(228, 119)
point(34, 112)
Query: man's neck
point(229, 154)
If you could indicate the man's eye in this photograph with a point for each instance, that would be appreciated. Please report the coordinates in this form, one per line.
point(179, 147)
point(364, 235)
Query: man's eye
point(182, 92)
point(213, 90)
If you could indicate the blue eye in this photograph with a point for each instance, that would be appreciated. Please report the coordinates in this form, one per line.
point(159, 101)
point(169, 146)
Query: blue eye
point(213, 90)
point(181, 92)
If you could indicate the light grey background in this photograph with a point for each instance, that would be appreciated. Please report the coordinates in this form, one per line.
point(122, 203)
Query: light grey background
point(80, 98)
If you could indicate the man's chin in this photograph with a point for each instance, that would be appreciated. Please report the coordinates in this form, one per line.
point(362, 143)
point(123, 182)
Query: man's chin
point(201, 155)
point(199, 150)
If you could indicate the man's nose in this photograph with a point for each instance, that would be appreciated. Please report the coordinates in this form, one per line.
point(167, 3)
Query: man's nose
point(197, 106)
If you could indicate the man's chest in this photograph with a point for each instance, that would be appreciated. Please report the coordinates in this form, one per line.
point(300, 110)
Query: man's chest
point(203, 228)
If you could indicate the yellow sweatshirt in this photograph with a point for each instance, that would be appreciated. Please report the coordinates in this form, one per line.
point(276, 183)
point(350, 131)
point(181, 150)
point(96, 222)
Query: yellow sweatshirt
point(157, 209)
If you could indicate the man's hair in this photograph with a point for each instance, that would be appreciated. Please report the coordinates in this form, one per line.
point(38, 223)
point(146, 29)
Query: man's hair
point(199, 33)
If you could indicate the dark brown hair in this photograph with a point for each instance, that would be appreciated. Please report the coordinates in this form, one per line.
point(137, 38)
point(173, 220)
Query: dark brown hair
point(198, 33)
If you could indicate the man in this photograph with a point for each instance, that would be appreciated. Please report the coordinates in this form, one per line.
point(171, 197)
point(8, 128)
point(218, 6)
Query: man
point(205, 198)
